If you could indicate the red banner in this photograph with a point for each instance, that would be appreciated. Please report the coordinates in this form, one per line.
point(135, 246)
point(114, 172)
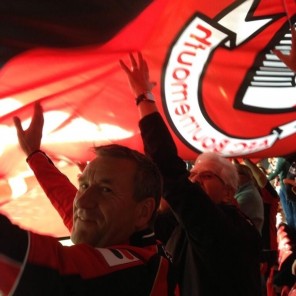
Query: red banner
point(219, 86)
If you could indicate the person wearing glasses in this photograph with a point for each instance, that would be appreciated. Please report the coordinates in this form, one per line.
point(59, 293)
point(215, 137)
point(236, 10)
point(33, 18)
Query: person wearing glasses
point(215, 247)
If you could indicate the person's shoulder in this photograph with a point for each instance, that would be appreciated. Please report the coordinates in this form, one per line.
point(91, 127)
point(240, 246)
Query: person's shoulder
point(246, 191)
point(237, 216)
point(231, 210)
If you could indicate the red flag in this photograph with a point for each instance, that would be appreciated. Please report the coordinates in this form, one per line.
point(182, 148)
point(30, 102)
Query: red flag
point(219, 86)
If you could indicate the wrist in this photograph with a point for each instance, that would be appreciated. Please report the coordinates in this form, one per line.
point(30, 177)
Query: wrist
point(34, 152)
point(145, 97)
point(40, 152)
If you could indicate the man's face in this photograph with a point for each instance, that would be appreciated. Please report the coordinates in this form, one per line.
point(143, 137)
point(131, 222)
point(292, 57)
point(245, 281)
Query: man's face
point(212, 184)
point(104, 210)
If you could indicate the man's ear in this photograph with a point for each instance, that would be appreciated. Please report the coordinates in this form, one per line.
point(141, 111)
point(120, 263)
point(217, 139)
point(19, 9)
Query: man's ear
point(145, 210)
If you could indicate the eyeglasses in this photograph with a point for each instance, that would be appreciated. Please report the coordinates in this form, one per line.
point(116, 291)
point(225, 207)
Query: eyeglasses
point(204, 176)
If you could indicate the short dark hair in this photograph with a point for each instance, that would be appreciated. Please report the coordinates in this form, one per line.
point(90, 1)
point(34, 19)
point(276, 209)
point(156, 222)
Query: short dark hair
point(148, 180)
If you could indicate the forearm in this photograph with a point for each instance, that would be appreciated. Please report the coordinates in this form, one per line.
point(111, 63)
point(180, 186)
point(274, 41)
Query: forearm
point(159, 145)
point(145, 108)
point(58, 188)
point(289, 181)
point(257, 173)
point(179, 192)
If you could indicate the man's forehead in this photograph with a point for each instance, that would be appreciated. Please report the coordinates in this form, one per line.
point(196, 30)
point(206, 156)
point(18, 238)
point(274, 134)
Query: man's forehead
point(107, 167)
point(205, 171)
point(92, 168)
point(198, 169)
point(96, 175)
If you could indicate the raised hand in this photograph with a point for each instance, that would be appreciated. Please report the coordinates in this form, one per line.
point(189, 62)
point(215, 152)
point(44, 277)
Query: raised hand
point(138, 75)
point(289, 60)
point(30, 139)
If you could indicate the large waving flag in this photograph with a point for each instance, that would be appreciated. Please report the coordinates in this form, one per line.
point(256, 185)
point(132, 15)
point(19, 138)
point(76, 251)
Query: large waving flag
point(219, 86)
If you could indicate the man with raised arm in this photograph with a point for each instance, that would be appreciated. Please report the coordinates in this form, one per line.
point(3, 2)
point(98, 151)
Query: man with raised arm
point(215, 247)
point(115, 251)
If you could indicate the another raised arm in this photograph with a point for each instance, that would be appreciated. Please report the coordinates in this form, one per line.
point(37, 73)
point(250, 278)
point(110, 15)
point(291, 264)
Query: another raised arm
point(140, 84)
point(257, 173)
point(30, 139)
point(57, 186)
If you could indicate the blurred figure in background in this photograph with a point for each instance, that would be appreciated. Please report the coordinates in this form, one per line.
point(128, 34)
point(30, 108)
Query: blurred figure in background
point(248, 196)
point(280, 171)
point(270, 200)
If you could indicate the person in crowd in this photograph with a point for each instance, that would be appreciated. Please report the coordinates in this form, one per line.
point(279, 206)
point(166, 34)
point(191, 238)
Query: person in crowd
point(286, 277)
point(270, 202)
point(290, 61)
point(215, 247)
point(290, 181)
point(281, 171)
point(114, 251)
point(272, 161)
point(248, 197)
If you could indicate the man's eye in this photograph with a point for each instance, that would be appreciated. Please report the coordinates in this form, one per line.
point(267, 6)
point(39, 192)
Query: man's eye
point(106, 189)
point(83, 186)
point(206, 176)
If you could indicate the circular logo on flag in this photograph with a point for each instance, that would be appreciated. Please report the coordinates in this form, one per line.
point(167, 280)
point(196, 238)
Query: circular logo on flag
point(224, 90)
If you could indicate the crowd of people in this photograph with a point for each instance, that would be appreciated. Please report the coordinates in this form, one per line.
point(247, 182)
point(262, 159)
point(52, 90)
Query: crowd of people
point(148, 225)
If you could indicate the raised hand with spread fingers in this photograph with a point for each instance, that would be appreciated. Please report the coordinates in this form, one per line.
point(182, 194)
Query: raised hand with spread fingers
point(30, 139)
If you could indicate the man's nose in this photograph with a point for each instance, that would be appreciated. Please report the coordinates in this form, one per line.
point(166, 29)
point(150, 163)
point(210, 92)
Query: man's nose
point(85, 199)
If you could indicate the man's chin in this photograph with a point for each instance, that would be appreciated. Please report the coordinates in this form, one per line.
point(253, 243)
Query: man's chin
point(81, 238)
point(77, 239)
